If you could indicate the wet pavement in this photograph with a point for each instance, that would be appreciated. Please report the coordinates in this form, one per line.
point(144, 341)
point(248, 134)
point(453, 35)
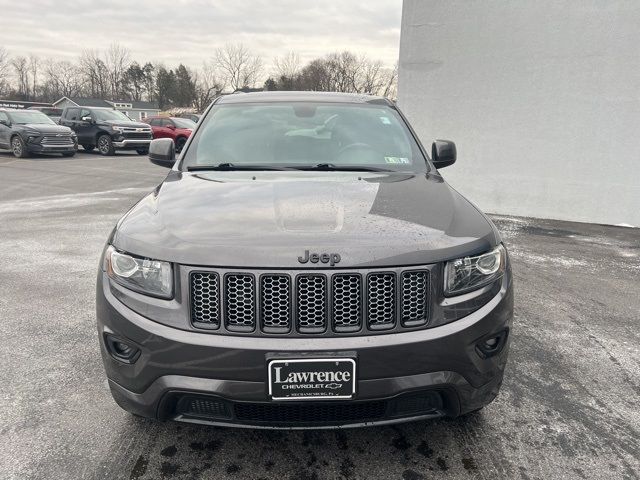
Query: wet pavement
point(569, 406)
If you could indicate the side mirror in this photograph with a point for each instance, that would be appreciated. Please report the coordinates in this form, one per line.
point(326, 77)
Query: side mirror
point(86, 118)
point(162, 151)
point(5, 123)
point(443, 153)
point(171, 127)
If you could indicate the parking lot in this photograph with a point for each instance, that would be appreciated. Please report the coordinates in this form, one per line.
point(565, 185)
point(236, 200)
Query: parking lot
point(569, 407)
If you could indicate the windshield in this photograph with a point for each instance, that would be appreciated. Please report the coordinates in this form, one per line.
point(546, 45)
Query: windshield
point(305, 134)
point(110, 115)
point(184, 123)
point(22, 117)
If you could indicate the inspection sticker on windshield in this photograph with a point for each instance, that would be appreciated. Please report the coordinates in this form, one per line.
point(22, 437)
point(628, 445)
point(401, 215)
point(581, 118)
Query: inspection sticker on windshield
point(385, 120)
point(400, 160)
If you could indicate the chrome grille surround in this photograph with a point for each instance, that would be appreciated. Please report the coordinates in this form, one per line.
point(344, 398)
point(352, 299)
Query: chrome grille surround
point(321, 302)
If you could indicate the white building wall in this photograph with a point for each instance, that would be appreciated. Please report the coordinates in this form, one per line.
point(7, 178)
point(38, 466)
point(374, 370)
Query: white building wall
point(542, 99)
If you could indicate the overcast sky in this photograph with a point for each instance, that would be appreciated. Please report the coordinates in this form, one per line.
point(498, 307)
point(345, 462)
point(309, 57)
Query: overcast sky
point(189, 30)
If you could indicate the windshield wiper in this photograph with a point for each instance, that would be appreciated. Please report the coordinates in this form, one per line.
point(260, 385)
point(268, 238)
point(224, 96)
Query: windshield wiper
point(330, 167)
point(233, 166)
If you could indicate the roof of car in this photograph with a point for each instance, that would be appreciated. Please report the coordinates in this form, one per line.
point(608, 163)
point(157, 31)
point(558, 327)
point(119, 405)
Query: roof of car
point(324, 97)
point(11, 110)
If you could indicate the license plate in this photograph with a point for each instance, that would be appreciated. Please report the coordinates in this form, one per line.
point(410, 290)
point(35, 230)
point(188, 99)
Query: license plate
point(312, 379)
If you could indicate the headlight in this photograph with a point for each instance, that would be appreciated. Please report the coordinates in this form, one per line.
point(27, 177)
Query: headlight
point(118, 129)
point(151, 277)
point(470, 273)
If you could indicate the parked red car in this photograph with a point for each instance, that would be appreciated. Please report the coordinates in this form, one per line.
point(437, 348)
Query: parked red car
point(177, 129)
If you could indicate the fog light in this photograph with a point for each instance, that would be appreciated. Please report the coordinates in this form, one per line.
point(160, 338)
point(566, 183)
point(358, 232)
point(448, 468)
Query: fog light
point(493, 344)
point(121, 350)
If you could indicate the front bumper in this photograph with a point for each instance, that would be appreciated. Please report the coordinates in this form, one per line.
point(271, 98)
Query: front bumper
point(39, 148)
point(221, 380)
point(132, 143)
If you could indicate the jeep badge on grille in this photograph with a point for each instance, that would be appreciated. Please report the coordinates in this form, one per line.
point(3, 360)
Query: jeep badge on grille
point(330, 258)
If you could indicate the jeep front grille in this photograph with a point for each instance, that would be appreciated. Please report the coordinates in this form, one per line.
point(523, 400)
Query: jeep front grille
point(311, 291)
point(347, 302)
point(205, 299)
point(240, 309)
point(275, 302)
point(381, 299)
point(415, 308)
point(311, 302)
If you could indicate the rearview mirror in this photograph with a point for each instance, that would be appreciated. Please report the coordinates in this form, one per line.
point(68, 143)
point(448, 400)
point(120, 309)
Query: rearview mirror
point(162, 151)
point(443, 153)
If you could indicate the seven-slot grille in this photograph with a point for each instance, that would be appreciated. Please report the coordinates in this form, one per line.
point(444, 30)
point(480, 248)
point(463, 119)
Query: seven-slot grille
point(310, 302)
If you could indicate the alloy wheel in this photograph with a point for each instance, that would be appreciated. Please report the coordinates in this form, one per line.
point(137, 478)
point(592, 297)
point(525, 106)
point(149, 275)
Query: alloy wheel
point(16, 146)
point(103, 145)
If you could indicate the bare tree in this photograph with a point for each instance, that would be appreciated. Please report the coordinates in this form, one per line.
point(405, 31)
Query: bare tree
point(4, 70)
point(287, 66)
point(391, 87)
point(372, 77)
point(34, 64)
point(208, 86)
point(21, 68)
point(62, 79)
point(117, 61)
point(95, 73)
point(238, 66)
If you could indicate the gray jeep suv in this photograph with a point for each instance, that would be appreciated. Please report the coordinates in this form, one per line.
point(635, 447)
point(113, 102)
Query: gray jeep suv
point(304, 265)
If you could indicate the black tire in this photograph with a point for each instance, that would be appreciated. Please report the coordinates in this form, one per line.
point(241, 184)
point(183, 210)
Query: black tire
point(180, 144)
point(69, 154)
point(105, 145)
point(18, 147)
point(88, 148)
point(143, 151)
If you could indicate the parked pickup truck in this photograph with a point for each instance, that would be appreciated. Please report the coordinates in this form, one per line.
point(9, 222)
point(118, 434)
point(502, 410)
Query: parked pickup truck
point(107, 129)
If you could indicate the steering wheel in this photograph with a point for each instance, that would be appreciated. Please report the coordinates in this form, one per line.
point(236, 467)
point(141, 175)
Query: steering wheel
point(352, 148)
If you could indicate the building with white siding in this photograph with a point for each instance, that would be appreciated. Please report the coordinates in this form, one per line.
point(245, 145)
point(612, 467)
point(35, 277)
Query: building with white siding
point(542, 99)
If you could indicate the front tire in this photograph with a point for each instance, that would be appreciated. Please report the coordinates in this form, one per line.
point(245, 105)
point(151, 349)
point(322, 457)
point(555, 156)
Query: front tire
point(143, 151)
point(105, 145)
point(18, 147)
point(180, 142)
point(88, 148)
point(68, 154)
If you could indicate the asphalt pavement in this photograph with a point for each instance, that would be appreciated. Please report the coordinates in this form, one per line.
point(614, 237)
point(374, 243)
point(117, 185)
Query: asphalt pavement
point(569, 406)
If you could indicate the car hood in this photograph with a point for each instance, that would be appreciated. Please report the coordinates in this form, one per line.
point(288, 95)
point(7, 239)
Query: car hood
point(269, 219)
point(119, 123)
point(47, 128)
